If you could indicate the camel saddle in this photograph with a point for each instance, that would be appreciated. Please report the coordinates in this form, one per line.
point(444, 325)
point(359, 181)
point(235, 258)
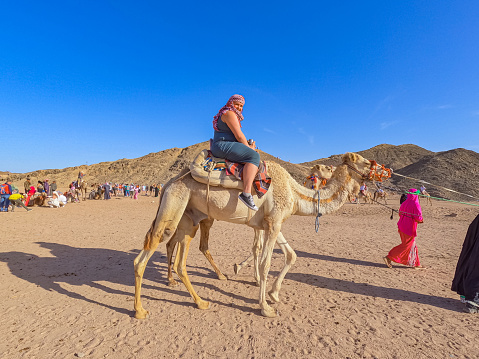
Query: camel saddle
point(212, 170)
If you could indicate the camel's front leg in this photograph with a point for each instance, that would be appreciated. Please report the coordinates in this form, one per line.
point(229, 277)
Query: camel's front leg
point(264, 267)
point(257, 249)
point(289, 259)
point(205, 226)
point(186, 232)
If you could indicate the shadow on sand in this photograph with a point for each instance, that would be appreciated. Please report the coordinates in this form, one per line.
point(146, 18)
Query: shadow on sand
point(92, 266)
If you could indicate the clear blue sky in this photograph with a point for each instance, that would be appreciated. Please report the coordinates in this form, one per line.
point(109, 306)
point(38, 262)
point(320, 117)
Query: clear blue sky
point(92, 81)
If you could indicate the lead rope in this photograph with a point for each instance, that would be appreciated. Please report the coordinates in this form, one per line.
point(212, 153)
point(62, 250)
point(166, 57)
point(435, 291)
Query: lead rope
point(318, 214)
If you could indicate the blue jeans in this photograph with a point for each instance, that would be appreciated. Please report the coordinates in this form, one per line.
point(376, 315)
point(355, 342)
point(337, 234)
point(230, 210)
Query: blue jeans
point(4, 202)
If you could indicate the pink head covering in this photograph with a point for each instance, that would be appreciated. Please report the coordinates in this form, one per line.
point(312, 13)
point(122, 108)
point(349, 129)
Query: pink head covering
point(410, 214)
point(229, 107)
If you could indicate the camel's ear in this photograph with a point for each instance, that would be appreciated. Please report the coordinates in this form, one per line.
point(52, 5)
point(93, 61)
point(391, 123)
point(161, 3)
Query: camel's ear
point(350, 157)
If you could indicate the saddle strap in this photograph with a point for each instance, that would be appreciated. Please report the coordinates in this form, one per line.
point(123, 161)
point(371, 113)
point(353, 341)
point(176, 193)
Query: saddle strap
point(208, 196)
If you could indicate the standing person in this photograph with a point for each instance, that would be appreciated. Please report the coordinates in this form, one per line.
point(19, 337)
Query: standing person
point(230, 143)
point(30, 193)
point(53, 186)
point(16, 199)
point(410, 214)
point(466, 278)
point(80, 178)
point(157, 190)
point(26, 185)
point(5, 192)
point(107, 189)
point(40, 187)
point(46, 186)
point(137, 190)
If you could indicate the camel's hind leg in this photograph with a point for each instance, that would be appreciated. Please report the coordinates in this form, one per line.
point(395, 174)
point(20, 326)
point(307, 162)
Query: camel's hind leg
point(205, 226)
point(289, 259)
point(140, 264)
point(186, 231)
point(170, 212)
point(170, 248)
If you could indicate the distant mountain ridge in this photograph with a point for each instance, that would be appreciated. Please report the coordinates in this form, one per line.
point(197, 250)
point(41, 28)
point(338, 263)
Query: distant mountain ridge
point(457, 169)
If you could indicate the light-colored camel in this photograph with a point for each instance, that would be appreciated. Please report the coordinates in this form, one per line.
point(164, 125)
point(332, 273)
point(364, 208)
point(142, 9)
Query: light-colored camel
point(81, 191)
point(380, 195)
point(366, 197)
point(318, 176)
point(427, 196)
point(185, 205)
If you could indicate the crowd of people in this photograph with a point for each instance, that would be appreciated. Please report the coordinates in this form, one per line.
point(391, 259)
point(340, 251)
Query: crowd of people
point(48, 194)
point(132, 190)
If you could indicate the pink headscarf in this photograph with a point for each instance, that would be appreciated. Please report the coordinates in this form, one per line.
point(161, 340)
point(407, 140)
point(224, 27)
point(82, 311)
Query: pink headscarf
point(410, 214)
point(229, 107)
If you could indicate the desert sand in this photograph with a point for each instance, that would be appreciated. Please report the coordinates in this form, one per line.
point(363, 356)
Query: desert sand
point(67, 284)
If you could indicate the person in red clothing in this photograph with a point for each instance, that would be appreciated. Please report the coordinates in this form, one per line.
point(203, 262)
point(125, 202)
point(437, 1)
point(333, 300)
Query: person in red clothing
point(30, 193)
point(410, 214)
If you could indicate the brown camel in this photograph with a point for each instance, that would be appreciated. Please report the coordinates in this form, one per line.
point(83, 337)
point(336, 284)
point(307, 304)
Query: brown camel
point(38, 199)
point(184, 206)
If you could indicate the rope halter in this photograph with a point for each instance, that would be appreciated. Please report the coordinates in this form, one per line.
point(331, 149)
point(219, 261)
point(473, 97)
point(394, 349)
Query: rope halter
point(376, 172)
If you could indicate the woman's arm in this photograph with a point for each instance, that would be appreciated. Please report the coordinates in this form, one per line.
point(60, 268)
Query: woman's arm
point(232, 121)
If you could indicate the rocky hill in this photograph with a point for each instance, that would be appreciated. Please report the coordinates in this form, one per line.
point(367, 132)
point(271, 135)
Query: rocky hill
point(456, 169)
point(156, 167)
point(395, 157)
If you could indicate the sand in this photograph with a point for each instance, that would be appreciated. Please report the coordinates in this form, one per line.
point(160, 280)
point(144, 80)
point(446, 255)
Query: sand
point(67, 284)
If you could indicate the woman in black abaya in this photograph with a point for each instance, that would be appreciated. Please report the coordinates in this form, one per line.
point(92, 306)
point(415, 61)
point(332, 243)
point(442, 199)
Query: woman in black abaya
point(466, 279)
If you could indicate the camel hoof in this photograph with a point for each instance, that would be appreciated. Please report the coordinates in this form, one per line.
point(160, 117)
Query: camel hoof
point(274, 296)
point(237, 268)
point(141, 314)
point(222, 277)
point(268, 312)
point(203, 304)
point(173, 283)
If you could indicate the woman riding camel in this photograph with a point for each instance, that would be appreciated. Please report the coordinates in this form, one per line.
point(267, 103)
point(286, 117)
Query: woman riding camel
point(230, 143)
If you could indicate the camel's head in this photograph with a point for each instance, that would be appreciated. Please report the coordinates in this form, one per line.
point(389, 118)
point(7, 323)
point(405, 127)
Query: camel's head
point(367, 170)
point(357, 163)
point(322, 171)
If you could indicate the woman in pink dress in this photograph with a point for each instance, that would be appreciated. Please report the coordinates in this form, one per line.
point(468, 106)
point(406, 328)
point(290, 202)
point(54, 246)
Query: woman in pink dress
point(410, 214)
point(135, 196)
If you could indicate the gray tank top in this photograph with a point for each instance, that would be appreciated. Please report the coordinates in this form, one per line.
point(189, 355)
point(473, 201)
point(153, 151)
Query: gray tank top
point(224, 133)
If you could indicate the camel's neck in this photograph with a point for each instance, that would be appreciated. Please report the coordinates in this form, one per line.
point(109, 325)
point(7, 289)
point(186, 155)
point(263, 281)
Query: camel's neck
point(333, 195)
